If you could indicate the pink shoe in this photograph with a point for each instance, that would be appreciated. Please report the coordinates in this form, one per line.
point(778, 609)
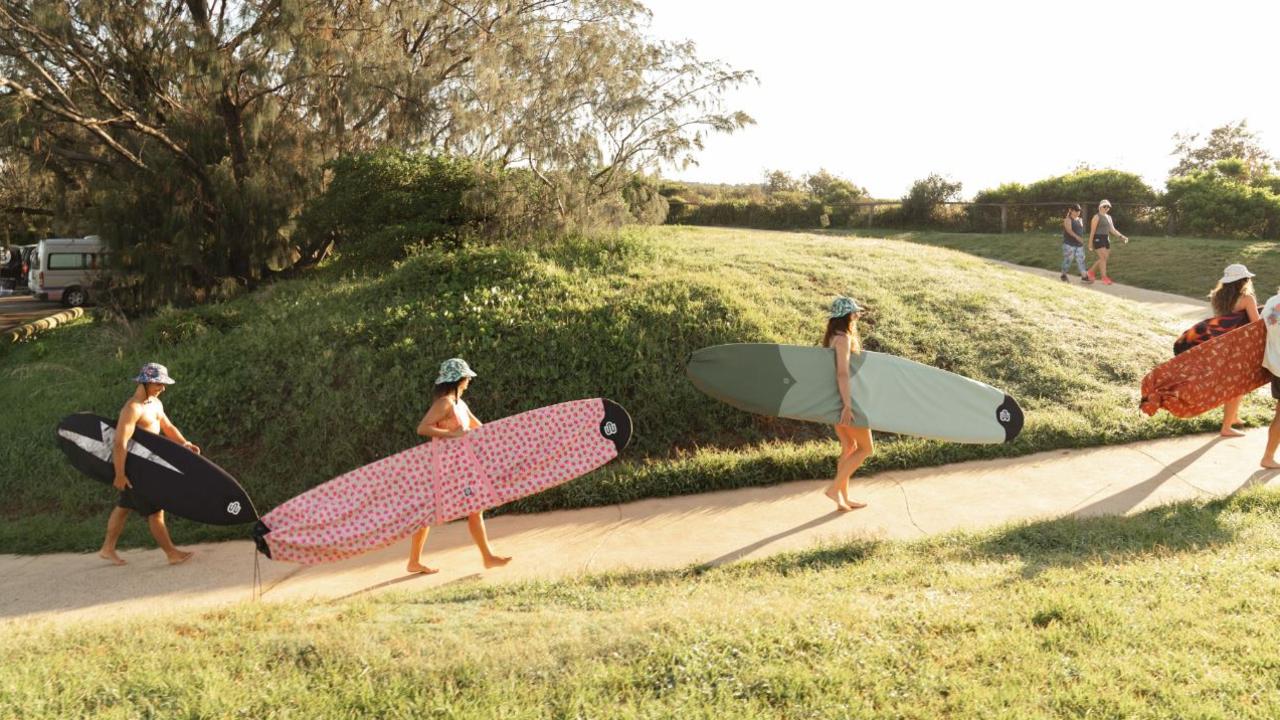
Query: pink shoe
point(1106, 280)
point(1089, 274)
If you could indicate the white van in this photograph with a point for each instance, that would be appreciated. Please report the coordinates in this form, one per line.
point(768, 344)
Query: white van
point(62, 269)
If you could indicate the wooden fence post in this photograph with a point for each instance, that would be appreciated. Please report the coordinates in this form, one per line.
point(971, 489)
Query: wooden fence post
point(1004, 218)
point(871, 209)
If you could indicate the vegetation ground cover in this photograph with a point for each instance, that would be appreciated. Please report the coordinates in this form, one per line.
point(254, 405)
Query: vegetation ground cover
point(1167, 614)
point(309, 378)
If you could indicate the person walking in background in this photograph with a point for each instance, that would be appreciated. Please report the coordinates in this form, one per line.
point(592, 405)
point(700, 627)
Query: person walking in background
point(1101, 228)
point(1073, 243)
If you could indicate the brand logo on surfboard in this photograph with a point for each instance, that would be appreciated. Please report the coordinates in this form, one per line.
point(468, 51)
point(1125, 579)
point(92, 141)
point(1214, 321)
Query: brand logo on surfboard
point(1005, 416)
point(234, 507)
point(610, 429)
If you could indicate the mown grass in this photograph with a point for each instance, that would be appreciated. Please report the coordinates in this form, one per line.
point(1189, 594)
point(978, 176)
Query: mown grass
point(309, 378)
point(1167, 614)
point(1182, 265)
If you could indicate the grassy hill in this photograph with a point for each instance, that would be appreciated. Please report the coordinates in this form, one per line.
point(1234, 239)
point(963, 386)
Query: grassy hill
point(1168, 614)
point(312, 377)
point(1182, 265)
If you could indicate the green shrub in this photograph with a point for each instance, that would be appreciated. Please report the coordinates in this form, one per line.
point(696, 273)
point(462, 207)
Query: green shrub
point(1127, 190)
point(922, 202)
point(377, 204)
point(1216, 204)
point(792, 211)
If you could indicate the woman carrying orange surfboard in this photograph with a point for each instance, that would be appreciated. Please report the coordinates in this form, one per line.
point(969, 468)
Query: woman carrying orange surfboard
point(1101, 228)
point(1234, 295)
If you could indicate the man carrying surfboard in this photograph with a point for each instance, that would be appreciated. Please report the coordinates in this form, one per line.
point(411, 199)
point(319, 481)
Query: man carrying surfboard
point(142, 410)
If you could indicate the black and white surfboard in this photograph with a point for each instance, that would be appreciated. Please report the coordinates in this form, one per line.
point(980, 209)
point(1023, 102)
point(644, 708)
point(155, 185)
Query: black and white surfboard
point(161, 471)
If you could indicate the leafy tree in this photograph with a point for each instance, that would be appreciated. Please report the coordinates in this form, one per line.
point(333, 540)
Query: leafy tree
point(198, 128)
point(1233, 141)
point(831, 189)
point(922, 200)
point(781, 181)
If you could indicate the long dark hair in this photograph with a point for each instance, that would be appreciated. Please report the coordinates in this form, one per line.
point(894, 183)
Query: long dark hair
point(843, 324)
point(1226, 295)
point(448, 388)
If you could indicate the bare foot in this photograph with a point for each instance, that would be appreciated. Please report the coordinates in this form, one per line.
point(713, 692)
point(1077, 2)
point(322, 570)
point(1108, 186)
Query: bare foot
point(834, 494)
point(1270, 464)
point(112, 556)
point(494, 561)
point(1231, 432)
point(180, 557)
point(854, 505)
point(419, 568)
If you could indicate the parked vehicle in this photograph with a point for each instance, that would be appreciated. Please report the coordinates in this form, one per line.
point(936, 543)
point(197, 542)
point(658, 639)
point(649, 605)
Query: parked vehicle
point(62, 269)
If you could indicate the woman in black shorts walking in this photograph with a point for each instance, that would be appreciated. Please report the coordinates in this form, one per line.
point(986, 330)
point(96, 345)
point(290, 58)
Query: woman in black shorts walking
point(1101, 228)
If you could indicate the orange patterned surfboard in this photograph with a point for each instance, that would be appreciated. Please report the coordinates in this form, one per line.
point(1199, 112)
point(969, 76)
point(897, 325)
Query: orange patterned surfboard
point(1208, 374)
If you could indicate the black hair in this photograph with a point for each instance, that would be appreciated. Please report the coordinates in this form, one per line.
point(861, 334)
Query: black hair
point(448, 388)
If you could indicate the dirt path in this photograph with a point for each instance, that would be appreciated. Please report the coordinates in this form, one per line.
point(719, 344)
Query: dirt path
point(18, 309)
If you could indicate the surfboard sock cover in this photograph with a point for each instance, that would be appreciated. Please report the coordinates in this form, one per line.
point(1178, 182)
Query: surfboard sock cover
point(443, 480)
point(1208, 374)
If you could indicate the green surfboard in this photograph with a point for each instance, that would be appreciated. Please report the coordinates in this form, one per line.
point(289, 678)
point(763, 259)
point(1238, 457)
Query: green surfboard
point(889, 393)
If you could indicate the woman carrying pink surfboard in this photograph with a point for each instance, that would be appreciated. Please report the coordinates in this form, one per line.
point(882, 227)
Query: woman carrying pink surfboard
point(448, 418)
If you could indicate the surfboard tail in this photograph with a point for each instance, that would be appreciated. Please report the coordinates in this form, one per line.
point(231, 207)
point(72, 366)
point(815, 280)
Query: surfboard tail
point(1010, 417)
point(260, 531)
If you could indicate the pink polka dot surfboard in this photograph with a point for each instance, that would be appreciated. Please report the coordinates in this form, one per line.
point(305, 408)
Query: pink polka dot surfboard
point(443, 480)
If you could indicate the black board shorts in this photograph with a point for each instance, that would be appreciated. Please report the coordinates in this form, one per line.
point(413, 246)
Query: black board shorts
point(1275, 386)
point(1101, 242)
point(130, 500)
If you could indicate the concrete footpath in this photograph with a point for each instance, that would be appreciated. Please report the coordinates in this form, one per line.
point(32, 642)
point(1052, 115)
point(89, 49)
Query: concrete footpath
point(711, 528)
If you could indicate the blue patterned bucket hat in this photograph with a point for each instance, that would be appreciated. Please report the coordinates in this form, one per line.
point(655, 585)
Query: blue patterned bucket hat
point(453, 370)
point(842, 306)
point(154, 373)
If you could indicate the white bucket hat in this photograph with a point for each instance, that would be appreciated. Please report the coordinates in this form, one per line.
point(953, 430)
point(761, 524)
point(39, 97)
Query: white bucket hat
point(1104, 203)
point(1235, 272)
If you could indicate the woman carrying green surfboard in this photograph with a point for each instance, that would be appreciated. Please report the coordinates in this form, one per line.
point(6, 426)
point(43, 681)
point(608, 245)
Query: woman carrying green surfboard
point(856, 444)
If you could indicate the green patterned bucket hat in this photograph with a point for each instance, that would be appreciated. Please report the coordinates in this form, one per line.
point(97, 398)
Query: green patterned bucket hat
point(842, 306)
point(453, 370)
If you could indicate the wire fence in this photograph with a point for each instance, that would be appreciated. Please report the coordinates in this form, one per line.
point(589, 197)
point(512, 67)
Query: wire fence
point(960, 216)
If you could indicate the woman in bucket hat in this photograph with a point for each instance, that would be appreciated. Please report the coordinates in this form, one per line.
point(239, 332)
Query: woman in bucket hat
point(142, 410)
point(1101, 228)
point(855, 442)
point(449, 417)
point(1234, 296)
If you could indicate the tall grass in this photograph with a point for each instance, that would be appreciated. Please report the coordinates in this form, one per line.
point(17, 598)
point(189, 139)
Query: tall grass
point(1168, 614)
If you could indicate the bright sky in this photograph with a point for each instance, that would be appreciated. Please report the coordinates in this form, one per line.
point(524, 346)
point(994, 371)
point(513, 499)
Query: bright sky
point(986, 92)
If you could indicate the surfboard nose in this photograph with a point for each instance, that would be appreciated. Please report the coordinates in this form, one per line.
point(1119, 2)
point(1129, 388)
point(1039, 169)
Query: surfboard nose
point(616, 425)
point(1009, 415)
